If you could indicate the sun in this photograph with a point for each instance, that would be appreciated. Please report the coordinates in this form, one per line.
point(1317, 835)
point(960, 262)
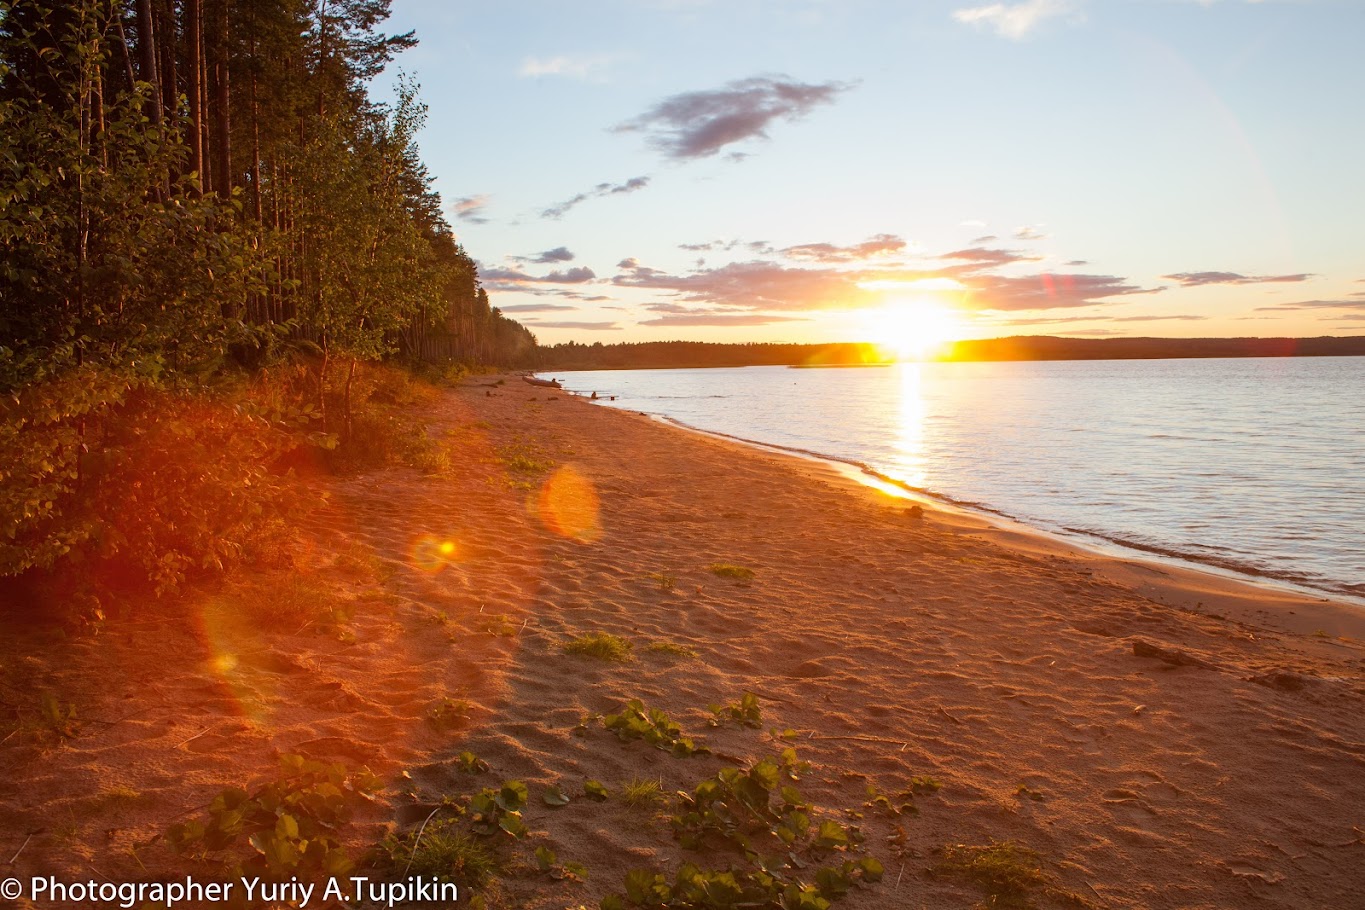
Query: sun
point(914, 329)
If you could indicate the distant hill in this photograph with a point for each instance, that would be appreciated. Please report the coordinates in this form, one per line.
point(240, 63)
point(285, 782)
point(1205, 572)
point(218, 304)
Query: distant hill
point(678, 354)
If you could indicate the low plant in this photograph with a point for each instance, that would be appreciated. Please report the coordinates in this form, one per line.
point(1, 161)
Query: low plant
point(524, 458)
point(641, 792)
point(731, 571)
point(499, 811)
point(902, 802)
point(440, 850)
point(449, 714)
point(600, 646)
point(652, 725)
point(58, 717)
point(746, 712)
point(672, 649)
point(1009, 873)
point(548, 862)
point(666, 581)
point(470, 763)
point(595, 791)
point(292, 823)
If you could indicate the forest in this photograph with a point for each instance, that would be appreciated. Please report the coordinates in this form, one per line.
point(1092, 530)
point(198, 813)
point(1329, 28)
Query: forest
point(208, 227)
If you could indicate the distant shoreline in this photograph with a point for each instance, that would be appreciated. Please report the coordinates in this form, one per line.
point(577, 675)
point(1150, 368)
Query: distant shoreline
point(671, 355)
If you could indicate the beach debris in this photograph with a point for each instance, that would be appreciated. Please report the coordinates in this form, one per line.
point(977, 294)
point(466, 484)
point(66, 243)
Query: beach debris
point(1172, 656)
point(915, 512)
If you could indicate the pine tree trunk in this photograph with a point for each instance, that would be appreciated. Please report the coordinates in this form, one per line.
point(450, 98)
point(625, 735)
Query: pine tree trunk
point(223, 101)
point(194, 41)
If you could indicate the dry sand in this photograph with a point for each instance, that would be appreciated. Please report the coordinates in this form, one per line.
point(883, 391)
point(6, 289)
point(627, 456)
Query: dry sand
point(942, 645)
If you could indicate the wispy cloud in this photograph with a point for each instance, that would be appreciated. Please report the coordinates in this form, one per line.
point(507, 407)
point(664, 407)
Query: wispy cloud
point(873, 247)
point(470, 208)
point(722, 319)
point(597, 192)
point(566, 65)
point(1015, 20)
point(587, 326)
point(700, 124)
point(985, 256)
point(1198, 279)
point(500, 279)
point(536, 307)
point(1317, 305)
point(558, 254)
point(1028, 232)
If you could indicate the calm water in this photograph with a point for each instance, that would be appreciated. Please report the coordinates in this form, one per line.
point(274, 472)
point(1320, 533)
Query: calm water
point(1256, 465)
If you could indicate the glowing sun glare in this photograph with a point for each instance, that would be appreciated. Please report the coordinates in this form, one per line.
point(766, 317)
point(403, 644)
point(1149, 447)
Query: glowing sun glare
point(914, 329)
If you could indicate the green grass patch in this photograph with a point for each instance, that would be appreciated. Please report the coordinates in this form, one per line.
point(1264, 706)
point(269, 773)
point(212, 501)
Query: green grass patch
point(600, 646)
point(731, 571)
point(442, 851)
point(672, 649)
point(642, 793)
point(1010, 874)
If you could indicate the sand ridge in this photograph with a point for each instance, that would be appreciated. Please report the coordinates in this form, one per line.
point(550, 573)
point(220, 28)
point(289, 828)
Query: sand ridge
point(1228, 771)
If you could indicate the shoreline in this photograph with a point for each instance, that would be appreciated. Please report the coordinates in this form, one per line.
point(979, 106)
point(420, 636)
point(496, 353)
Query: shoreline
point(1168, 578)
point(1082, 540)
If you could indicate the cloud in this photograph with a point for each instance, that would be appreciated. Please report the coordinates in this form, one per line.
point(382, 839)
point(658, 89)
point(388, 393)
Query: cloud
point(987, 238)
point(1182, 317)
point(573, 67)
point(535, 307)
point(517, 280)
point(588, 326)
point(558, 254)
point(981, 256)
point(732, 319)
point(1028, 232)
point(470, 208)
point(597, 192)
point(770, 286)
point(877, 245)
point(1014, 20)
point(700, 124)
point(1317, 305)
point(1198, 279)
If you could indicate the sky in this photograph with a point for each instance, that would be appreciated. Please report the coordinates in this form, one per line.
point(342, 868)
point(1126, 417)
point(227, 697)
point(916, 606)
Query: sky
point(866, 170)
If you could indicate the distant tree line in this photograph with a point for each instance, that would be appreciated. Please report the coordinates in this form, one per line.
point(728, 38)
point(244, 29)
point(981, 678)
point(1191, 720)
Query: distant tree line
point(677, 354)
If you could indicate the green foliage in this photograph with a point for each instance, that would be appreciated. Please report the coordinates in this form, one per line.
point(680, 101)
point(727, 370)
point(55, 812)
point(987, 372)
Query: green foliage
point(292, 824)
point(746, 712)
point(57, 717)
point(652, 725)
point(902, 803)
point(499, 811)
point(449, 714)
point(665, 580)
point(643, 792)
point(733, 572)
point(595, 791)
point(525, 458)
point(672, 649)
point(470, 763)
point(694, 888)
point(600, 646)
point(548, 862)
point(440, 850)
point(555, 797)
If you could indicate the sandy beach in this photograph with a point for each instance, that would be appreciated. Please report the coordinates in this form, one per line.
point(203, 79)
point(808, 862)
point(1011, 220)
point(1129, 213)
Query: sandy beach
point(1162, 738)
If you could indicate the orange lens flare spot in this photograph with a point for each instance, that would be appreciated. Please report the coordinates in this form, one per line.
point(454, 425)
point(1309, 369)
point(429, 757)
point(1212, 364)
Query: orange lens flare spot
point(432, 554)
point(568, 505)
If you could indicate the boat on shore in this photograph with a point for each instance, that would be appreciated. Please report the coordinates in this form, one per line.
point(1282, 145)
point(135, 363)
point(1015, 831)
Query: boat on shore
point(543, 383)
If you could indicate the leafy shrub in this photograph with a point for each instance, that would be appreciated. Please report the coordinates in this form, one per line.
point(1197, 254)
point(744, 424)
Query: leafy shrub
point(746, 712)
point(440, 851)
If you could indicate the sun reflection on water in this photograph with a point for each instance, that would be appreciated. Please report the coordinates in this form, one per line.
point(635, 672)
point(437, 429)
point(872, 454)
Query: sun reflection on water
point(911, 414)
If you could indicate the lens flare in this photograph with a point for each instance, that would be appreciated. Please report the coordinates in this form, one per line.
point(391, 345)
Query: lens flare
point(568, 505)
point(431, 554)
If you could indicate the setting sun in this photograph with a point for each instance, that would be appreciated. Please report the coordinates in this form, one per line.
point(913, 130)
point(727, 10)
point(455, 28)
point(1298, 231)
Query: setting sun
point(913, 329)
